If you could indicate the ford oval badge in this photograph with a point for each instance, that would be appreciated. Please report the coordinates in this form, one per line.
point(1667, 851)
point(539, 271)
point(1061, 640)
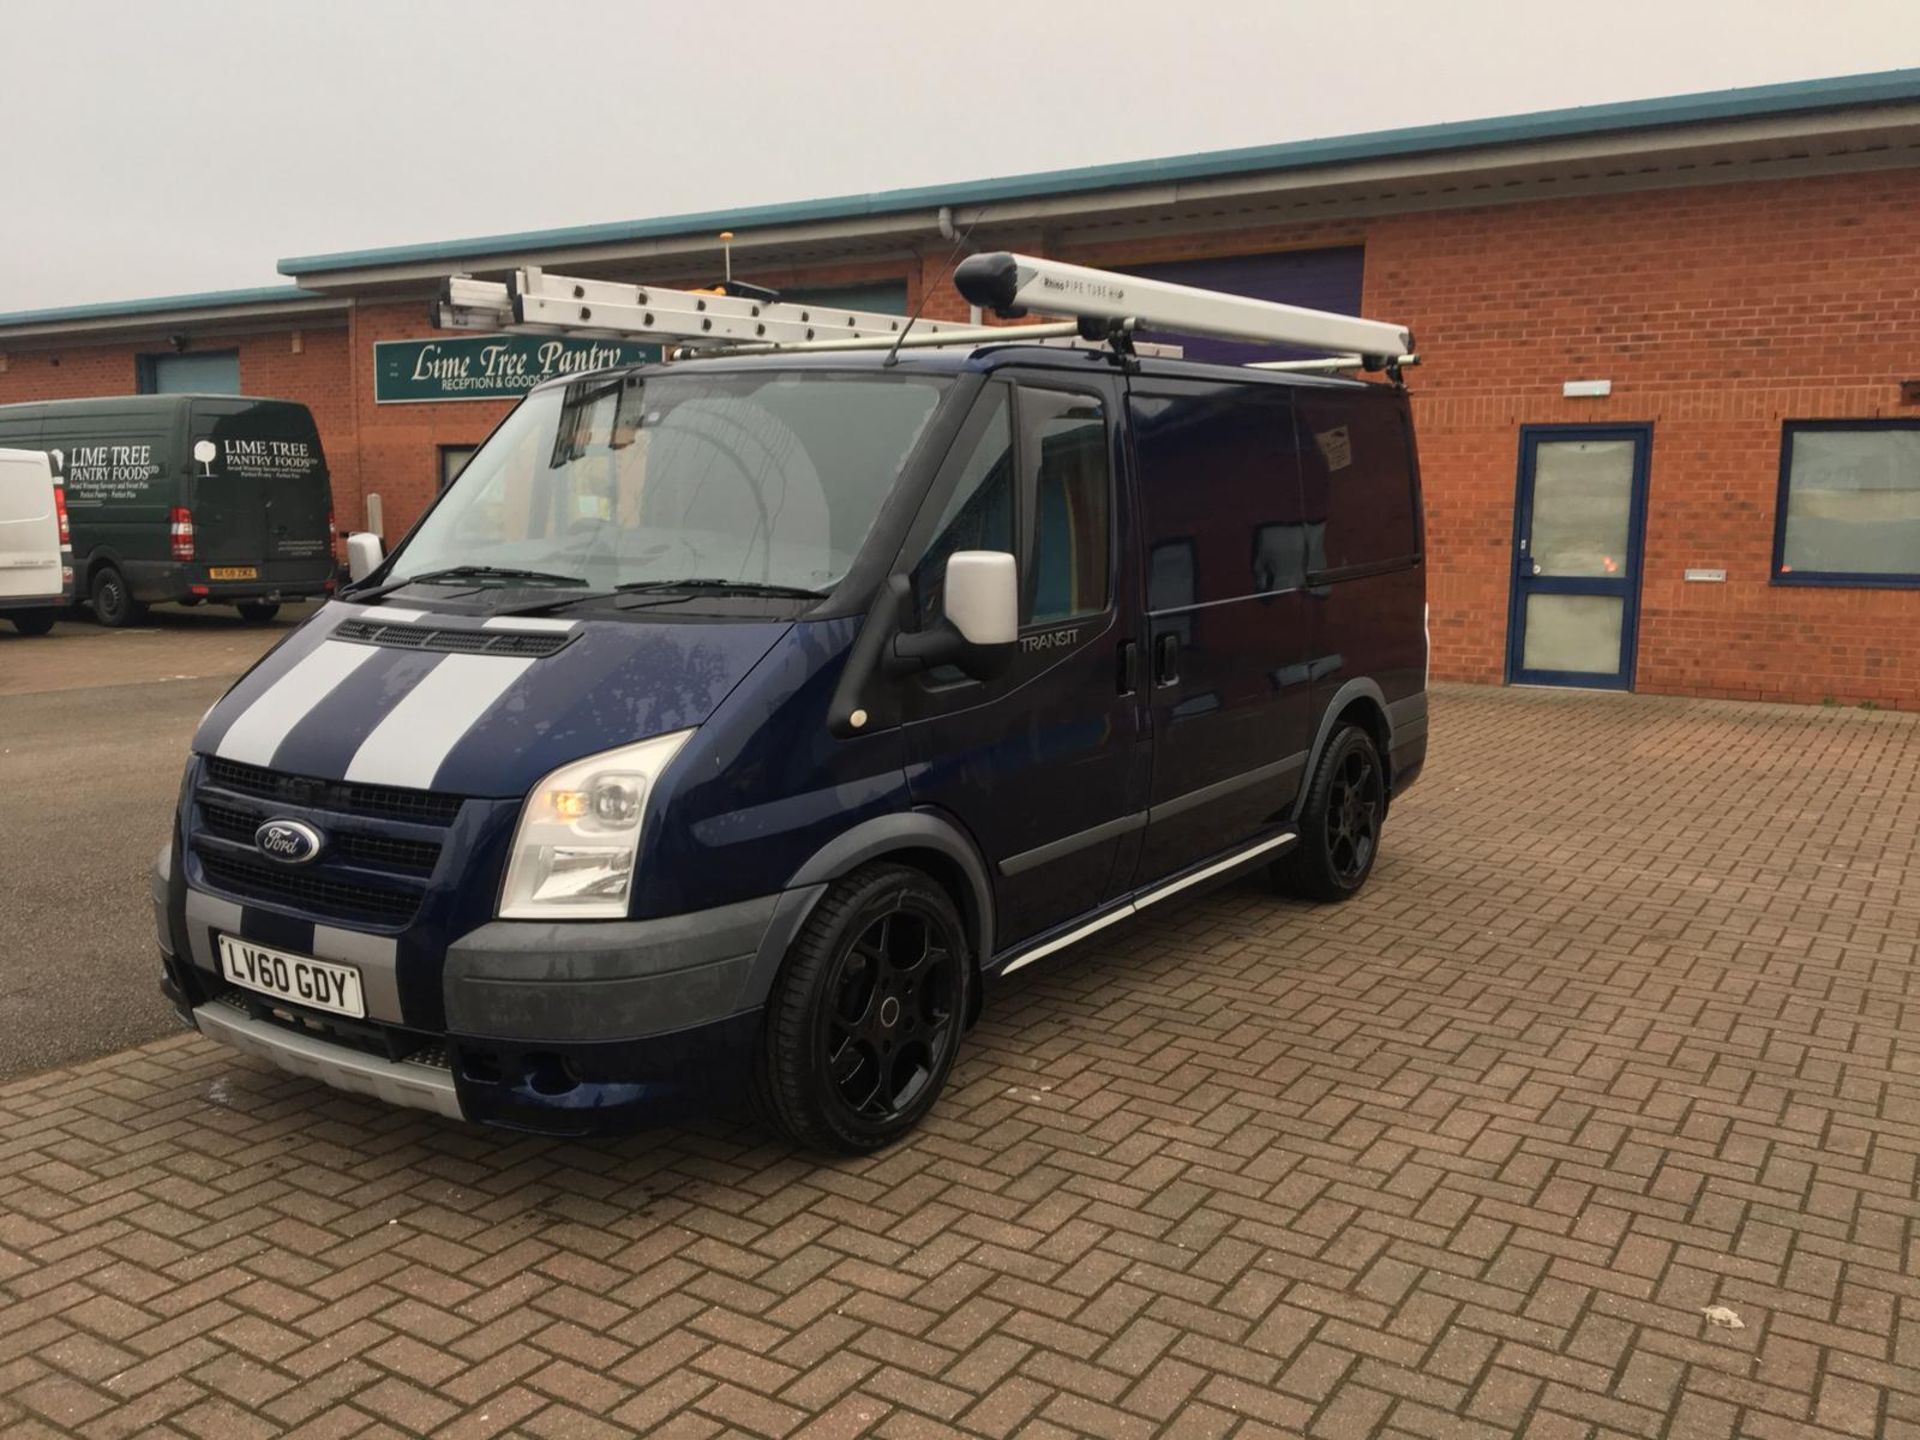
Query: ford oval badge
point(288, 841)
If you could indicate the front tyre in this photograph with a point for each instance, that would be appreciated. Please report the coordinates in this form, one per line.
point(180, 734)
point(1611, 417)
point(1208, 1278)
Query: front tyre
point(257, 612)
point(865, 1019)
point(1340, 823)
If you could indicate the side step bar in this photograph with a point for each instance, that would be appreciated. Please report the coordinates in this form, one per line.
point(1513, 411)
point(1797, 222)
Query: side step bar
point(1153, 896)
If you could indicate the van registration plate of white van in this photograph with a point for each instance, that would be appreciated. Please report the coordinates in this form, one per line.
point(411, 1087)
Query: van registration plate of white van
point(233, 572)
point(299, 978)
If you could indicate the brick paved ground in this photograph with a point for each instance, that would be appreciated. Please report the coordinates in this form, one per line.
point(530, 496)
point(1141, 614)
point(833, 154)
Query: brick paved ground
point(1624, 1028)
point(174, 642)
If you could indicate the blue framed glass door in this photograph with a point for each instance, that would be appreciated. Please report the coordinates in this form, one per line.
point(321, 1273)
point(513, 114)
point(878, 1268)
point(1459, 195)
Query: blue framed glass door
point(1579, 522)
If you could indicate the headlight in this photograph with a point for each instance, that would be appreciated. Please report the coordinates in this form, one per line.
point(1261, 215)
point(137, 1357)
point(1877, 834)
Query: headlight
point(573, 853)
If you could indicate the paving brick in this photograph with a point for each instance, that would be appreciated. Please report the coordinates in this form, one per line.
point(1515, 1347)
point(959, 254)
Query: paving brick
point(1463, 1157)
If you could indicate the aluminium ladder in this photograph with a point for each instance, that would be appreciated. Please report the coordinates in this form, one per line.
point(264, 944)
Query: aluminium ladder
point(1103, 307)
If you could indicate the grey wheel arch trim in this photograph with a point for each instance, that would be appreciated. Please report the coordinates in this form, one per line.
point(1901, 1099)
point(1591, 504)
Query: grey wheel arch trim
point(1359, 688)
point(881, 838)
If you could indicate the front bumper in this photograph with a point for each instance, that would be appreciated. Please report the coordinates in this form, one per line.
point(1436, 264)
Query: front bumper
point(555, 1028)
point(424, 1081)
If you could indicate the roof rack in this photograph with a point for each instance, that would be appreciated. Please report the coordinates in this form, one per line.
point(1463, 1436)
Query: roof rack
point(1105, 309)
point(1332, 362)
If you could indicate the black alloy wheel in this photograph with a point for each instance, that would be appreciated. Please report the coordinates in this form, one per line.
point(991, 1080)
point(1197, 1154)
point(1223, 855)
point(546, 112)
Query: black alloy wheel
point(1340, 822)
point(866, 1018)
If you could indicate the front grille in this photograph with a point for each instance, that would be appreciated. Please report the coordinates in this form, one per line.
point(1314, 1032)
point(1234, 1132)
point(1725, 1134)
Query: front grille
point(451, 642)
point(386, 802)
point(305, 890)
point(227, 823)
point(373, 852)
point(383, 852)
point(381, 843)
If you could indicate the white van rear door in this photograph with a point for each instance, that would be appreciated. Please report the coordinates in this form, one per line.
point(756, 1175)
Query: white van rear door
point(29, 527)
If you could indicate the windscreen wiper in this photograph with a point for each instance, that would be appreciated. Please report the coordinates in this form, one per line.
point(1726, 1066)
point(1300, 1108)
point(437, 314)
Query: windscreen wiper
point(465, 572)
point(684, 590)
point(712, 586)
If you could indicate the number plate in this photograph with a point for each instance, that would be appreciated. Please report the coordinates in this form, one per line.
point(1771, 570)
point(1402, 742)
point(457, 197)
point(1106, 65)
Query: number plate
point(299, 978)
point(233, 572)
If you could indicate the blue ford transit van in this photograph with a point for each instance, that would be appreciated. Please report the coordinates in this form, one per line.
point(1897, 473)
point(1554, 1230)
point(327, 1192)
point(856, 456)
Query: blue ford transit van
point(731, 725)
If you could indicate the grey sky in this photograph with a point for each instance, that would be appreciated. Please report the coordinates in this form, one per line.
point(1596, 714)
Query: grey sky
point(160, 148)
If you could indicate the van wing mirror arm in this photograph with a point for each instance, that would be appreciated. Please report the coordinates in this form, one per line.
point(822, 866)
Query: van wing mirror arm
point(943, 644)
point(853, 710)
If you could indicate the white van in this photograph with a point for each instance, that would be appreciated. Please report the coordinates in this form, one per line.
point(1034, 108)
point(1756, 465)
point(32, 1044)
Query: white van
point(36, 561)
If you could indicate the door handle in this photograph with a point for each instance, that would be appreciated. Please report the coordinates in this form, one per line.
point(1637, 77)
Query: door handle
point(1129, 677)
point(1166, 659)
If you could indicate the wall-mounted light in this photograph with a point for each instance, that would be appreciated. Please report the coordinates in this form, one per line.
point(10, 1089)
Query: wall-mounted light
point(179, 343)
point(1586, 389)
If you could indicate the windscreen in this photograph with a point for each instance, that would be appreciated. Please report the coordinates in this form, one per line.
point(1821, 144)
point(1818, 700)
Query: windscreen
point(768, 477)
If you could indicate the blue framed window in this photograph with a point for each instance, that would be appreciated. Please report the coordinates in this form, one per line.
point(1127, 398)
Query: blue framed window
point(1849, 506)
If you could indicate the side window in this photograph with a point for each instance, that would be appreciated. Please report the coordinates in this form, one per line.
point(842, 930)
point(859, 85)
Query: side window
point(1849, 511)
point(1357, 465)
point(979, 515)
point(1068, 496)
point(1219, 474)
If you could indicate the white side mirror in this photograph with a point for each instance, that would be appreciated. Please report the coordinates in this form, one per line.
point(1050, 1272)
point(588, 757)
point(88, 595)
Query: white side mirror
point(982, 597)
point(363, 555)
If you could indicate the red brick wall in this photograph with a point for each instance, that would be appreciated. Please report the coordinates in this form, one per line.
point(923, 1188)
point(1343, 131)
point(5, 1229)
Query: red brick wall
point(68, 374)
point(1717, 312)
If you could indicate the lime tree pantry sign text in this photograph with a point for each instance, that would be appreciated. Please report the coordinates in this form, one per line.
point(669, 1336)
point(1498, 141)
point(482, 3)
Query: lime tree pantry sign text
point(489, 367)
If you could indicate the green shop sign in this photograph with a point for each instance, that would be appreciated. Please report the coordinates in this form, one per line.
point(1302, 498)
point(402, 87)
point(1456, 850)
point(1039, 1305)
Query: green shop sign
point(489, 367)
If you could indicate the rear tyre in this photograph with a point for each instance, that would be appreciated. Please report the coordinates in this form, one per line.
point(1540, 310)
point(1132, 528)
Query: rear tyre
point(257, 612)
point(113, 602)
point(865, 1019)
point(33, 622)
point(1340, 823)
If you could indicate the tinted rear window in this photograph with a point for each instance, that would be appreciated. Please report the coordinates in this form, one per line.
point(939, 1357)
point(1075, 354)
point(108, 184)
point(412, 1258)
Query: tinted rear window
point(1358, 474)
point(1219, 475)
point(254, 441)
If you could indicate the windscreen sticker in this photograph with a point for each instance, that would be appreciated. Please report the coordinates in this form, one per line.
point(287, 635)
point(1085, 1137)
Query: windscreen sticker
point(268, 459)
point(97, 474)
point(1336, 445)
